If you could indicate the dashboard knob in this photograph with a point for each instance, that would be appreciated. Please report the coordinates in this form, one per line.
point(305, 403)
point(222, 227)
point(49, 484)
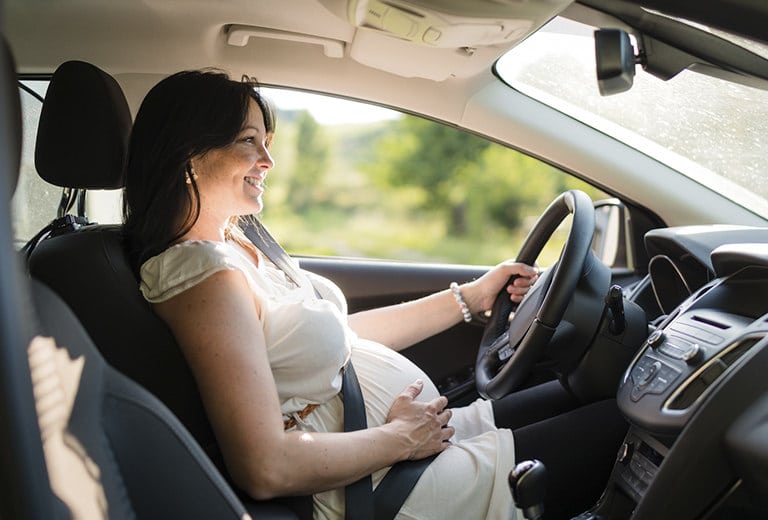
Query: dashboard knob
point(656, 338)
point(694, 355)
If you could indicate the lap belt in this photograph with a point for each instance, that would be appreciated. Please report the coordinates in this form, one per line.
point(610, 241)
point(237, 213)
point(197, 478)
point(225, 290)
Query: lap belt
point(360, 502)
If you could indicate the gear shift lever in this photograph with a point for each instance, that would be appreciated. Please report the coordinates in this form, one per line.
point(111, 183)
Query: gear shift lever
point(528, 486)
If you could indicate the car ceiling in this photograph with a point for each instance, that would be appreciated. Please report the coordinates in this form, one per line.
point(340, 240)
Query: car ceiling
point(151, 37)
point(155, 37)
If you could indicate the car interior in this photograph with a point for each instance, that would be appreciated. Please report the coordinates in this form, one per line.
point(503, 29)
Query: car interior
point(657, 300)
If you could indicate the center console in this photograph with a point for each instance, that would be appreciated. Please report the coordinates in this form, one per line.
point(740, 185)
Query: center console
point(688, 383)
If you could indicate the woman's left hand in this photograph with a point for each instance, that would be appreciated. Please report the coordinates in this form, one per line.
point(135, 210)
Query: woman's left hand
point(480, 294)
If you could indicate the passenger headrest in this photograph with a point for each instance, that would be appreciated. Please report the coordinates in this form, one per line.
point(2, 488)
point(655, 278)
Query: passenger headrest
point(10, 130)
point(85, 124)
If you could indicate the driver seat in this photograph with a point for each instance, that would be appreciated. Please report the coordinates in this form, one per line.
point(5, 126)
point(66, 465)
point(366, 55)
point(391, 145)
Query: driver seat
point(111, 448)
point(79, 439)
point(89, 269)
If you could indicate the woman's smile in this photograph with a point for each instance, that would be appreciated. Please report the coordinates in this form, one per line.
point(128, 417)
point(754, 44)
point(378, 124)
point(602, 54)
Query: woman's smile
point(256, 183)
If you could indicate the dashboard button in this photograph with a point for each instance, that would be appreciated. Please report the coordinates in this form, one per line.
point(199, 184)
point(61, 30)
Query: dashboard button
point(656, 338)
point(694, 355)
point(649, 374)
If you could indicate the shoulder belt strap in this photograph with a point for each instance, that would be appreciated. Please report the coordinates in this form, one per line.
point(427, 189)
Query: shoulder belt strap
point(360, 501)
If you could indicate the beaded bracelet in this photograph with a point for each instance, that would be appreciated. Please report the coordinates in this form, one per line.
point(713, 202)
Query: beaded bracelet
point(460, 300)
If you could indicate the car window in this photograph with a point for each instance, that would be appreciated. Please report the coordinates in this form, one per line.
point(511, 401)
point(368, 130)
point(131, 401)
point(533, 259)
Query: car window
point(355, 180)
point(35, 201)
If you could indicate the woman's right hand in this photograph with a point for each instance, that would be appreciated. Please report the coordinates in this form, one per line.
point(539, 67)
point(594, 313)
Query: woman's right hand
point(422, 425)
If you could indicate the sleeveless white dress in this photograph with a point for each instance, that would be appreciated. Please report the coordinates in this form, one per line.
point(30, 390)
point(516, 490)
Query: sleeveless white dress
point(309, 341)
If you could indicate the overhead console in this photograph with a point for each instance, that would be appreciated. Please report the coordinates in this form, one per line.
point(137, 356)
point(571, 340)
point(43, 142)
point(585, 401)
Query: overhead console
point(693, 377)
point(452, 33)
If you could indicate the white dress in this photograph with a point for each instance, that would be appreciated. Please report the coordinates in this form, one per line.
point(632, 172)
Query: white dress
point(308, 341)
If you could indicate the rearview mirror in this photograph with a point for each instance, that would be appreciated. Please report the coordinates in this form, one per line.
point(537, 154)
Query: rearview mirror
point(615, 59)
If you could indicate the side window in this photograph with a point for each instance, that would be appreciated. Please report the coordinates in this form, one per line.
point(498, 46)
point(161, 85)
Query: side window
point(362, 181)
point(35, 201)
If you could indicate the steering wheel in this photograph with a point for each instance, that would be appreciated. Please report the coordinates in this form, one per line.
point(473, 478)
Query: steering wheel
point(510, 347)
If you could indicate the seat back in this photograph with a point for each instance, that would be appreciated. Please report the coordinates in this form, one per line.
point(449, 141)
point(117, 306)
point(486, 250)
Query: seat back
point(113, 450)
point(89, 269)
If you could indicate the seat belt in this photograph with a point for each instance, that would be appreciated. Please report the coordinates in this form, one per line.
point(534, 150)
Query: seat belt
point(360, 502)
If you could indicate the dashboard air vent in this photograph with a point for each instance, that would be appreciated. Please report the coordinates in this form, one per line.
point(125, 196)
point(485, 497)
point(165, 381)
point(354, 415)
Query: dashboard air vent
point(712, 323)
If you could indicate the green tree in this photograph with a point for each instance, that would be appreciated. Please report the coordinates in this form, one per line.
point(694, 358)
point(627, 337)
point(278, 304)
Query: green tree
point(311, 162)
point(511, 186)
point(436, 158)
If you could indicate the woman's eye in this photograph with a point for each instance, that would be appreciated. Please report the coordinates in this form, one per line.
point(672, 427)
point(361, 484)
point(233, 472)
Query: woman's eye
point(249, 139)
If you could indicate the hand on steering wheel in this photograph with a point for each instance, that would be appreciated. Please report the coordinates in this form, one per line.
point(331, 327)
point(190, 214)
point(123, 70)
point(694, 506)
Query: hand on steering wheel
point(514, 278)
point(509, 348)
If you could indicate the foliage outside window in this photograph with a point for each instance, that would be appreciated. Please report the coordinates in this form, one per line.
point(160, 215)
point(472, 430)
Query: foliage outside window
point(403, 188)
point(398, 187)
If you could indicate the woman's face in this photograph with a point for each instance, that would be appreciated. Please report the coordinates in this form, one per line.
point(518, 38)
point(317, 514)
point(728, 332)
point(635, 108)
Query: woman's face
point(231, 179)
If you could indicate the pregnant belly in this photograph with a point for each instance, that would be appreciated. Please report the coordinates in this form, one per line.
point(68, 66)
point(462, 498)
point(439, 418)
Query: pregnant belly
point(383, 375)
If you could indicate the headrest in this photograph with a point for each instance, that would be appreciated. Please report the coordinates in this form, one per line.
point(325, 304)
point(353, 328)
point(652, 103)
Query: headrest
point(85, 124)
point(10, 129)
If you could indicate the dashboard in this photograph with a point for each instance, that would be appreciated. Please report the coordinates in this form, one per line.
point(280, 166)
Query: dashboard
point(696, 393)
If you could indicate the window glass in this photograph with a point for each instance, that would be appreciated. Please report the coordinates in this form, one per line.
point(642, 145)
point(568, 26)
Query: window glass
point(35, 201)
point(708, 129)
point(357, 180)
point(362, 181)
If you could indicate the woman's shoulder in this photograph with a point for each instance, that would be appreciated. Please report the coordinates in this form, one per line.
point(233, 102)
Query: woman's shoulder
point(184, 265)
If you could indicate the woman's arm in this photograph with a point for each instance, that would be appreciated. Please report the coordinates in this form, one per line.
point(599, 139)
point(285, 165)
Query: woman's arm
point(217, 326)
point(402, 325)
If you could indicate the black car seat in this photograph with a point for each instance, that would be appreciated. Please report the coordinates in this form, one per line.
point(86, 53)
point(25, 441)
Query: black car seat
point(88, 268)
point(24, 489)
point(113, 450)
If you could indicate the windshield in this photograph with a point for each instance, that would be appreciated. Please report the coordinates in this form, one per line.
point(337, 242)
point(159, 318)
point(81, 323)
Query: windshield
point(713, 131)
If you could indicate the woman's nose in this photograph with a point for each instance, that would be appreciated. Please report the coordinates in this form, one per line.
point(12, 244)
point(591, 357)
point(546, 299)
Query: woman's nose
point(265, 159)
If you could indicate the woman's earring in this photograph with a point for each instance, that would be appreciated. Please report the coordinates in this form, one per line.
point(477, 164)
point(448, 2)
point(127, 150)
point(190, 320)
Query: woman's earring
point(190, 174)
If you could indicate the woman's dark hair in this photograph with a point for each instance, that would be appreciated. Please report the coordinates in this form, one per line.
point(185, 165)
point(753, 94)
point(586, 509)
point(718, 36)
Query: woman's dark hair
point(184, 116)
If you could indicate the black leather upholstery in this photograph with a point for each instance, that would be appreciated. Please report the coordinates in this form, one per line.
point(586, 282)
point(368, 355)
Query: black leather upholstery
point(124, 452)
point(23, 475)
point(89, 270)
point(10, 130)
point(85, 115)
